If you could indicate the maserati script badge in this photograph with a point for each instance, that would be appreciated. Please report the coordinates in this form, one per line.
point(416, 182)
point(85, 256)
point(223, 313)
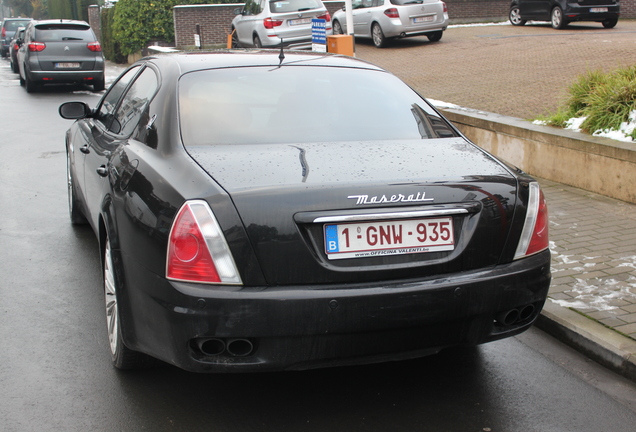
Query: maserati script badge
point(383, 199)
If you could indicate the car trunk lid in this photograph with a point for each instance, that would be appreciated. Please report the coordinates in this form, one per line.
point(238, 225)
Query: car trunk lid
point(287, 195)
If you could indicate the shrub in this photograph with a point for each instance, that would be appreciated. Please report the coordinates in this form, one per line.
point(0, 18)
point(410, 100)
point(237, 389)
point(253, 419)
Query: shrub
point(605, 100)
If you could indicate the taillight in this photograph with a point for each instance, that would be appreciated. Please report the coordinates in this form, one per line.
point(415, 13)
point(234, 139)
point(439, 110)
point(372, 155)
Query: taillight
point(326, 17)
point(36, 46)
point(4, 32)
point(445, 7)
point(197, 250)
point(534, 237)
point(392, 13)
point(94, 46)
point(16, 47)
point(270, 23)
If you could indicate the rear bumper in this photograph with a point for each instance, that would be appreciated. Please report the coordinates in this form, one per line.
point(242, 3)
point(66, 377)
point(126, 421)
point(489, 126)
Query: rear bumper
point(576, 12)
point(304, 327)
point(67, 76)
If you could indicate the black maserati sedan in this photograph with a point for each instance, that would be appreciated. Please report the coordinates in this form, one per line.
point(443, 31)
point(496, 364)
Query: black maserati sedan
point(267, 210)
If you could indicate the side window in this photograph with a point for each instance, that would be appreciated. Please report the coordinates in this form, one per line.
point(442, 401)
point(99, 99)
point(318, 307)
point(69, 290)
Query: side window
point(135, 102)
point(357, 4)
point(107, 108)
point(252, 7)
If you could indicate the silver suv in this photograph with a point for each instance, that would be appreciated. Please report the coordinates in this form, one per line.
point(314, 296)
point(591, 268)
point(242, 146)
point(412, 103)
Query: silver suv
point(60, 51)
point(382, 20)
point(272, 23)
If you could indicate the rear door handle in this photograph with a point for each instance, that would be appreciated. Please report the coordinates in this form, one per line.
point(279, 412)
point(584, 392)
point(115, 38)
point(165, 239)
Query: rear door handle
point(102, 171)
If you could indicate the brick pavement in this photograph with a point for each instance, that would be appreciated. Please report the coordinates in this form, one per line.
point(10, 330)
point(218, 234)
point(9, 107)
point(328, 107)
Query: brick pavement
point(524, 72)
point(593, 244)
point(516, 71)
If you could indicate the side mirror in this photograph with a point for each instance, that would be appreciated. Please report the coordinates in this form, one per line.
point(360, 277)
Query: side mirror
point(75, 110)
point(238, 11)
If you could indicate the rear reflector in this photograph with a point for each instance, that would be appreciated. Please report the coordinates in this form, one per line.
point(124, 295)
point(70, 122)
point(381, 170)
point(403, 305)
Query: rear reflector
point(534, 237)
point(197, 250)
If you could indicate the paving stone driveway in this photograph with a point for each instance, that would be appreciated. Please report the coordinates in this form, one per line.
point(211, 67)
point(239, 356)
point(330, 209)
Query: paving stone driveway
point(516, 71)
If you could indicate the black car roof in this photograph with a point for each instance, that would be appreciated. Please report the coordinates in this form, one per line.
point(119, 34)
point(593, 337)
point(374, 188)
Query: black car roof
point(195, 60)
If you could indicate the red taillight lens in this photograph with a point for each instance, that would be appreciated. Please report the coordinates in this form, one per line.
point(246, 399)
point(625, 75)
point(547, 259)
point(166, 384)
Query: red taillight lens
point(197, 250)
point(94, 46)
point(4, 32)
point(534, 237)
point(392, 13)
point(36, 46)
point(326, 17)
point(270, 23)
point(445, 7)
point(16, 47)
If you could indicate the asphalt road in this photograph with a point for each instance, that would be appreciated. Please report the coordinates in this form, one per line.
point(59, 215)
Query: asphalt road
point(55, 372)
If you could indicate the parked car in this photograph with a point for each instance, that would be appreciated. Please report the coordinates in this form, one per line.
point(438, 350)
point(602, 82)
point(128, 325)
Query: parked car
point(382, 20)
point(263, 212)
point(9, 26)
point(561, 12)
point(14, 46)
point(272, 23)
point(60, 51)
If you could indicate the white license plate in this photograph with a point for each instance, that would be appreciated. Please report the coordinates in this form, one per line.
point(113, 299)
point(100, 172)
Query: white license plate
point(383, 238)
point(299, 21)
point(67, 65)
point(598, 10)
point(422, 19)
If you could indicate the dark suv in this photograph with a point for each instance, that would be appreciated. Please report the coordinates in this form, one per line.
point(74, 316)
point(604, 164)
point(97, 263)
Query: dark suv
point(562, 12)
point(9, 26)
point(60, 51)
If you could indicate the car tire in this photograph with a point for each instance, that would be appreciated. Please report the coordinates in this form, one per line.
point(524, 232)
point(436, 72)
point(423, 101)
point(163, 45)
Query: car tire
point(556, 18)
point(435, 36)
point(235, 41)
point(74, 210)
point(122, 357)
point(515, 17)
point(29, 85)
point(4, 54)
point(99, 85)
point(379, 40)
point(610, 23)
point(337, 28)
point(257, 42)
point(14, 67)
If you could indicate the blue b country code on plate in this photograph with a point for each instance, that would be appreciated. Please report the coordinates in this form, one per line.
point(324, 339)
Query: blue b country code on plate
point(395, 237)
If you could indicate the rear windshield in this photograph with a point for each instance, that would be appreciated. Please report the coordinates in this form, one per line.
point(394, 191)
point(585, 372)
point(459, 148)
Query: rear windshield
point(66, 32)
point(298, 104)
point(13, 25)
point(282, 6)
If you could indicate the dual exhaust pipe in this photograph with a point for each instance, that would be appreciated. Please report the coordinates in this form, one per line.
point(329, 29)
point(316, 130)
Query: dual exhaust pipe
point(218, 346)
point(514, 316)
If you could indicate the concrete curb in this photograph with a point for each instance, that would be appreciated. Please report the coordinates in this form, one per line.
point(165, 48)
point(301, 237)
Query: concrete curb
point(601, 344)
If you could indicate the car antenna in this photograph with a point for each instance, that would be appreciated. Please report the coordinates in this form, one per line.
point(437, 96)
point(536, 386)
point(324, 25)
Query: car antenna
point(281, 56)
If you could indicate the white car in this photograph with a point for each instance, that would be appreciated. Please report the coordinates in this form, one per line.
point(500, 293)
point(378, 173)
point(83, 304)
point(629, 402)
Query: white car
point(275, 23)
point(381, 20)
